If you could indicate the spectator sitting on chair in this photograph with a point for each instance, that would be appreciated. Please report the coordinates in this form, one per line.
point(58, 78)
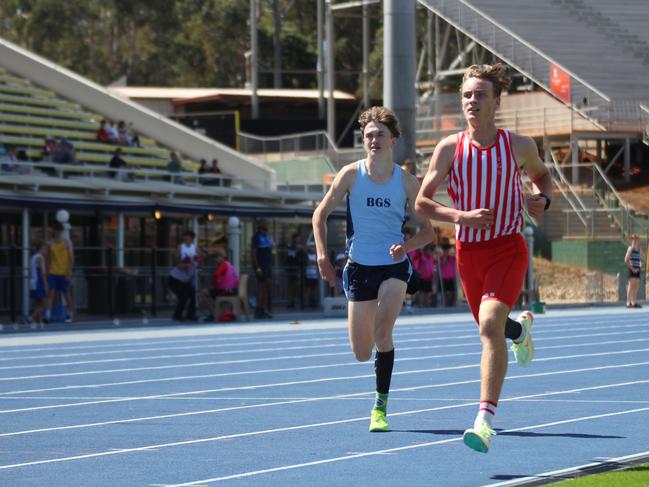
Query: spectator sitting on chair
point(113, 134)
point(213, 171)
point(102, 133)
point(225, 282)
point(8, 158)
point(174, 166)
point(123, 135)
point(65, 153)
point(118, 163)
point(49, 148)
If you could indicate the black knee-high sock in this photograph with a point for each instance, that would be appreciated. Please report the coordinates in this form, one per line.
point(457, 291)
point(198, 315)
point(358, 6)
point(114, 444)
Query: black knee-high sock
point(513, 329)
point(383, 364)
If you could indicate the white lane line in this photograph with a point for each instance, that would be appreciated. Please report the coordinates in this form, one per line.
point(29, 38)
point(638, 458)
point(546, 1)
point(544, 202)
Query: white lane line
point(586, 315)
point(336, 335)
point(204, 364)
point(238, 341)
point(354, 396)
point(398, 449)
point(608, 465)
point(313, 425)
point(95, 386)
point(330, 379)
point(340, 335)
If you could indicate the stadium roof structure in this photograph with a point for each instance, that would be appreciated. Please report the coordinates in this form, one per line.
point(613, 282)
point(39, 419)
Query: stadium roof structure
point(589, 54)
point(181, 95)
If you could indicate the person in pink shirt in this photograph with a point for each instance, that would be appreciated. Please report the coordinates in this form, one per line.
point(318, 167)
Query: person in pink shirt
point(447, 271)
point(425, 267)
point(225, 282)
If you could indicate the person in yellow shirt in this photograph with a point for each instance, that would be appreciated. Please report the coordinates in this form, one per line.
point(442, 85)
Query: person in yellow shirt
point(59, 273)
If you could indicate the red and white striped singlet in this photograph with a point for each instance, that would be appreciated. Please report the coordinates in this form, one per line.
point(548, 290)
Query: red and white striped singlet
point(487, 178)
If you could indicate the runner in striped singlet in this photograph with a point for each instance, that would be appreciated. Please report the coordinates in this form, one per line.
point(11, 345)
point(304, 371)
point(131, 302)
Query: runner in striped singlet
point(633, 260)
point(483, 166)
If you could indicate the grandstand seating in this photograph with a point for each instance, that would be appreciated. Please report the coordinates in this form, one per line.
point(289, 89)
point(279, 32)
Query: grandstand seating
point(603, 43)
point(28, 114)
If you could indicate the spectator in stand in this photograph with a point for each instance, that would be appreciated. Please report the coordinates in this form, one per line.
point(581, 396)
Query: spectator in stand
point(49, 148)
point(113, 135)
point(135, 138)
point(102, 133)
point(123, 135)
point(202, 169)
point(409, 166)
point(24, 162)
point(175, 166)
point(65, 152)
point(294, 265)
point(8, 158)
point(214, 171)
point(119, 164)
point(225, 282)
point(38, 289)
point(447, 270)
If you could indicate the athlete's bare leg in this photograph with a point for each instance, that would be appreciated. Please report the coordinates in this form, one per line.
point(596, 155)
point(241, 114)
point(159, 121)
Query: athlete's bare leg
point(391, 295)
point(361, 316)
point(493, 363)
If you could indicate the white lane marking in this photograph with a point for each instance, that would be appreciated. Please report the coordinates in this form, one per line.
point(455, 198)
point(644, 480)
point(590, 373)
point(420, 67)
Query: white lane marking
point(203, 364)
point(354, 396)
point(397, 449)
point(205, 376)
point(95, 386)
point(313, 425)
point(340, 342)
point(566, 315)
point(570, 472)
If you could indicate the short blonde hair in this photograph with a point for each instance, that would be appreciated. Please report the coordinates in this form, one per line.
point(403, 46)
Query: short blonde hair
point(496, 73)
point(380, 115)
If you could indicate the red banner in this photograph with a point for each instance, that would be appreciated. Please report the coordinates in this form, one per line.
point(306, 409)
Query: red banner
point(560, 83)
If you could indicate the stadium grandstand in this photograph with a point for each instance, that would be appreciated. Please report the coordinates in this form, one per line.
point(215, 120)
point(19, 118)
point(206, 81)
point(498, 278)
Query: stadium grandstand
point(580, 71)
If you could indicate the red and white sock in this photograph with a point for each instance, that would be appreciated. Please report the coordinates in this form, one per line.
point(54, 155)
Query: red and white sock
point(487, 412)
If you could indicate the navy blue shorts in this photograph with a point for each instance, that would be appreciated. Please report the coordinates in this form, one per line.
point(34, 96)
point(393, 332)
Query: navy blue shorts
point(362, 282)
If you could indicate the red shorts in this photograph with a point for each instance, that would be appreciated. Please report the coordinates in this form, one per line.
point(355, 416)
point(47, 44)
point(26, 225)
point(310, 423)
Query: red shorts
point(494, 269)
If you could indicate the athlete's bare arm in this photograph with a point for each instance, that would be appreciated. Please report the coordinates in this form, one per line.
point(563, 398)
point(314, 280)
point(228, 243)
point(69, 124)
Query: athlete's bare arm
point(527, 155)
point(425, 234)
point(341, 185)
point(438, 170)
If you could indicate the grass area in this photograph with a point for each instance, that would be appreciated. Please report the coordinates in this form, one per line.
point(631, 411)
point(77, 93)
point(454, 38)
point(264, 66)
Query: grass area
point(637, 476)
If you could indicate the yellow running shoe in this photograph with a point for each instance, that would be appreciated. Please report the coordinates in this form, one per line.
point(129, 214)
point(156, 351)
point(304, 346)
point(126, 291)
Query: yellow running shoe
point(478, 438)
point(524, 351)
point(378, 421)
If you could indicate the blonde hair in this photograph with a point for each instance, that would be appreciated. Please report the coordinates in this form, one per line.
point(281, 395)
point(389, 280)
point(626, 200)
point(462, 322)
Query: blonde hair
point(496, 73)
point(380, 115)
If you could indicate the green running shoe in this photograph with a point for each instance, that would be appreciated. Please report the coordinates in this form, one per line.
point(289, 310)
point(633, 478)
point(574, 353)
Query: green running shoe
point(524, 351)
point(478, 438)
point(378, 421)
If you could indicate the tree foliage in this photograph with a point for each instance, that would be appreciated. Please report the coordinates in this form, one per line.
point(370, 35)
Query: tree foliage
point(187, 42)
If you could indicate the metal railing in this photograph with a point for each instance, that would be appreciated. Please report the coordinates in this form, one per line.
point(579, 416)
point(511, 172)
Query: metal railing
point(128, 175)
point(508, 46)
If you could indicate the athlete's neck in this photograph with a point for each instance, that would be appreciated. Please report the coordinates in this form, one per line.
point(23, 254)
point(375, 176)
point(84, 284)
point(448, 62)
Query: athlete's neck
point(379, 169)
point(483, 136)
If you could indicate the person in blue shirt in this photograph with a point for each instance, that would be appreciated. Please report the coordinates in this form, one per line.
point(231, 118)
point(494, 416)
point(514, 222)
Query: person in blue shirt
point(376, 274)
point(262, 261)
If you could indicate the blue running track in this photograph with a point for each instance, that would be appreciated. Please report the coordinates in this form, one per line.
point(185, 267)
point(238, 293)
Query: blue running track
point(286, 404)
